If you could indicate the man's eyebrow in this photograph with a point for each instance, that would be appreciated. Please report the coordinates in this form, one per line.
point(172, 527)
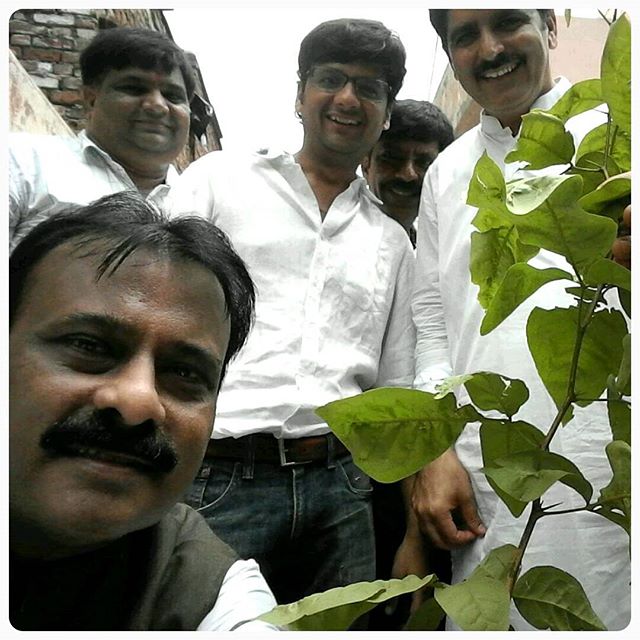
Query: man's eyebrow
point(141, 77)
point(106, 322)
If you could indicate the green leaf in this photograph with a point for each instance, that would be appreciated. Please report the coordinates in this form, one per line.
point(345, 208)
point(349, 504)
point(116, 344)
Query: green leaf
point(426, 618)
point(487, 184)
point(490, 391)
point(581, 97)
point(527, 475)
point(481, 602)
point(549, 598)
point(615, 72)
point(543, 141)
point(551, 335)
point(450, 384)
point(597, 140)
point(606, 271)
point(616, 189)
point(498, 564)
point(520, 281)
point(527, 194)
point(561, 226)
point(392, 433)
point(501, 439)
point(619, 412)
point(493, 252)
point(336, 609)
point(616, 496)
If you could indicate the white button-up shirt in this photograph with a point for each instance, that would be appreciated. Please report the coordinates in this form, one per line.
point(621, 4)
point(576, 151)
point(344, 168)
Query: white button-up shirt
point(47, 173)
point(333, 296)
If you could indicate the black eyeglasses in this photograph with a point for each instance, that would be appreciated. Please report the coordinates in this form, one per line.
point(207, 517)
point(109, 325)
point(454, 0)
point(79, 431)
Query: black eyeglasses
point(332, 80)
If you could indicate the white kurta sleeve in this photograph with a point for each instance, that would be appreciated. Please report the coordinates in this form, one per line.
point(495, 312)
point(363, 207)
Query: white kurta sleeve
point(244, 595)
point(432, 360)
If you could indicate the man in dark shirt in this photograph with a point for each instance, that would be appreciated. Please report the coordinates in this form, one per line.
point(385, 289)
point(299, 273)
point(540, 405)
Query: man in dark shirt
point(121, 326)
point(396, 165)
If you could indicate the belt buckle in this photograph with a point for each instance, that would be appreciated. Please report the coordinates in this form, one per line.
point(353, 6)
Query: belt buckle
point(283, 455)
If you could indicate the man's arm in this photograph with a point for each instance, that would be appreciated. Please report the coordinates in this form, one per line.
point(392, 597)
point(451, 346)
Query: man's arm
point(442, 488)
point(411, 556)
point(396, 368)
point(432, 347)
point(244, 595)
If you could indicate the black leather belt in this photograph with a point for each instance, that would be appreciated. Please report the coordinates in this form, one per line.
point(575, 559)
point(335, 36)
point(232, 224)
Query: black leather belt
point(264, 447)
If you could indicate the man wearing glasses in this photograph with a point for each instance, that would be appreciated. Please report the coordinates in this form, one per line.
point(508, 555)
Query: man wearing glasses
point(333, 277)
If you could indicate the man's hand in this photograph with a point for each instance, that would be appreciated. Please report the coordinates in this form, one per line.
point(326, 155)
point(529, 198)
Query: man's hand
point(621, 248)
point(439, 489)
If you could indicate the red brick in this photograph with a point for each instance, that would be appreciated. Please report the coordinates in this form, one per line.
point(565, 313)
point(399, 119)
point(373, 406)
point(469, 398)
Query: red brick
point(65, 97)
point(46, 55)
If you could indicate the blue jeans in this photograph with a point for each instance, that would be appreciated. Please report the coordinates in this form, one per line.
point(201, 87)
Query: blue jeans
point(309, 526)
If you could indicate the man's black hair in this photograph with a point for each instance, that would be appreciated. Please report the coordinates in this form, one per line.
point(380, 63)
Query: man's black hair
point(348, 41)
point(121, 47)
point(116, 226)
point(439, 18)
point(418, 120)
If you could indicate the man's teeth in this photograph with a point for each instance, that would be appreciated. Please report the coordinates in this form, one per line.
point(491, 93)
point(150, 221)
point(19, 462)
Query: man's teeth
point(341, 120)
point(500, 71)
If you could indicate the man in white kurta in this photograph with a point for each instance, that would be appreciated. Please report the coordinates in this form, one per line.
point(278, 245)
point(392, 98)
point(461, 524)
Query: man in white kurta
point(448, 317)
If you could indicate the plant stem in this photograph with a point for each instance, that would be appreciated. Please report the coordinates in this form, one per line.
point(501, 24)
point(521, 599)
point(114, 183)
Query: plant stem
point(536, 507)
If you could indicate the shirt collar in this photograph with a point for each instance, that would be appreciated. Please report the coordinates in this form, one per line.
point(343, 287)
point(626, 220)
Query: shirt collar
point(279, 157)
point(89, 147)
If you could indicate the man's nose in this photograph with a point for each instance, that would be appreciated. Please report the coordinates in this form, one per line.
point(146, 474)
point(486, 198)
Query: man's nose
point(154, 102)
point(490, 44)
point(408, 172)
point(347, 96)
point(131, 391)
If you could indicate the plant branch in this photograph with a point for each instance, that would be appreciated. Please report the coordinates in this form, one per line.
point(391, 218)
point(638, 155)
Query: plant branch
point(534, 516)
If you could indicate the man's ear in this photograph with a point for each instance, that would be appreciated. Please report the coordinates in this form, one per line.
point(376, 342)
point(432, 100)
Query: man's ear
point(299, 95)
point(89, 95)
point(387, 118)
point(552, 26)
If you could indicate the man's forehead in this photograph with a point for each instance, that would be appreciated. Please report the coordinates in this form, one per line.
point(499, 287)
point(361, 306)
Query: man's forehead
point(75, 272)
point(355, 67)
point(460, 18)
point(156, 74)
point(407, 145)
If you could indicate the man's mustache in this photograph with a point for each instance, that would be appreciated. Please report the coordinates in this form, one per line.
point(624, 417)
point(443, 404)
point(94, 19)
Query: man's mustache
point(412, 188)
point(501, 59)
point(103, 430)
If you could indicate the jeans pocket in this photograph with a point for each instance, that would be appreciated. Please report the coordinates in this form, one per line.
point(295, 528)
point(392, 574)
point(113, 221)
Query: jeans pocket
point(357, 481)
point(212, 484)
